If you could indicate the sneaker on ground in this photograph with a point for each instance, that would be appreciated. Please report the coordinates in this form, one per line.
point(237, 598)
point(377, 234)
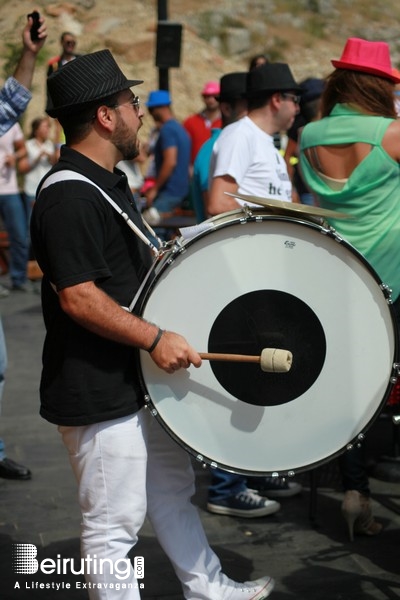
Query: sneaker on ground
point(252, 590)
point(275, 487)
point(245, 504)
point(4, 292)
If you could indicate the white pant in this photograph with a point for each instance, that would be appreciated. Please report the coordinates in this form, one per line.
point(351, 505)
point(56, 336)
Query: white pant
point(117, 464)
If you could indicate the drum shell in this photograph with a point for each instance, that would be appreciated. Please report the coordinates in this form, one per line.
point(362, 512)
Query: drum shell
point(243, 253)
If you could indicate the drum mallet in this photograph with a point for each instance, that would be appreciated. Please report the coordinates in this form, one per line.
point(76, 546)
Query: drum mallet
point(272, 360)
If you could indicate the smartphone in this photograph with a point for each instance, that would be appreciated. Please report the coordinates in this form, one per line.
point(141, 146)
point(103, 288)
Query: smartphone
point(35, 16)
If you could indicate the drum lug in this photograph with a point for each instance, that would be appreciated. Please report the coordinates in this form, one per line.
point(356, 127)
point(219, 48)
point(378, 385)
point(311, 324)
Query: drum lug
point(172, 248)
point(200, 459)
point(360, 439)
point(176, 249)
point(387, 292)
point(288, 474)
point(248, 213)
point(393, 379)
point(164, 249)
point(396, 372)
point(357, 443)
point(331, 231)
point(326, 230)
point(148, 406)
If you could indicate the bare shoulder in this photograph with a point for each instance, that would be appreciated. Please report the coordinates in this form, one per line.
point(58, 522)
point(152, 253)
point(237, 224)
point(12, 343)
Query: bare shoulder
point(391, 140)
point(393, 127)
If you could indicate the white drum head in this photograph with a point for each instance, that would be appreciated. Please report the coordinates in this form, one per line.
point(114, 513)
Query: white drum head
point(271, 282)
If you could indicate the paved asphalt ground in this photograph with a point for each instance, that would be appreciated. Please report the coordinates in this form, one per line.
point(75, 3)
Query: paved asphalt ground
point(311, 559)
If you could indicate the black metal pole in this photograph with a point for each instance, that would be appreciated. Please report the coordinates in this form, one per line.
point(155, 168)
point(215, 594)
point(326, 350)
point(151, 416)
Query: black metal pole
point(163, 74)
point(162, 10)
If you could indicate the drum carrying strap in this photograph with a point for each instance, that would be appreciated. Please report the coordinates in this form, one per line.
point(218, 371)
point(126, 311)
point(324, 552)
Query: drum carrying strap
point(73, 176)
point(66, 174)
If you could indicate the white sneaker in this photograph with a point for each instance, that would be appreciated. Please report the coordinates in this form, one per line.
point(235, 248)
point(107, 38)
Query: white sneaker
point(4, 292)
point(252, 590)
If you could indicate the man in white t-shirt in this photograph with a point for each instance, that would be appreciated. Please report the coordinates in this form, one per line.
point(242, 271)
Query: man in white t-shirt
point(245, 160)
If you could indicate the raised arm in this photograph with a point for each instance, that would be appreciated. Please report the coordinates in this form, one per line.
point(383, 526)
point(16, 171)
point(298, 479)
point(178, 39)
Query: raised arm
point(26, 64)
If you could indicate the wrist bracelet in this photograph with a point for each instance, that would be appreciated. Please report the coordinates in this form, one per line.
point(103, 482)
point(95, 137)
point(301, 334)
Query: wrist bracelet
point(156, 340)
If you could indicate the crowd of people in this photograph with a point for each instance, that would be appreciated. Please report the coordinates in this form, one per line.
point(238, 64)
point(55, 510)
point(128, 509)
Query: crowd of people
point(341, 153)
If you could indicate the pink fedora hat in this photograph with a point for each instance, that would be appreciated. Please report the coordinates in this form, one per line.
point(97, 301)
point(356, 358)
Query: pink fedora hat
point(367, 57)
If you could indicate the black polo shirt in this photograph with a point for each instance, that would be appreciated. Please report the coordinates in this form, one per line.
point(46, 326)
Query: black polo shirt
point(77, 236)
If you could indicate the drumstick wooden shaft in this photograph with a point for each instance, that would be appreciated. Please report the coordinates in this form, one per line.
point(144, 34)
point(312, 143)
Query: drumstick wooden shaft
point(229, 357)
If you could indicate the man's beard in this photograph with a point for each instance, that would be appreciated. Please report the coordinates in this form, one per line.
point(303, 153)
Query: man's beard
point(125, 141)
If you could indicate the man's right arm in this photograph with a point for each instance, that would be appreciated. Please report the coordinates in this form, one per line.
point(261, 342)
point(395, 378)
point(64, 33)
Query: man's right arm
point(26, 64)
point(15, 94)
point(94, 310)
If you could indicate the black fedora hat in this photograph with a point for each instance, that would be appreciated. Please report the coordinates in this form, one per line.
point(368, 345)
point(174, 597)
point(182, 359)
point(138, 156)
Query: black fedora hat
point(232, 86)
point(271, 77)
point(85, 79)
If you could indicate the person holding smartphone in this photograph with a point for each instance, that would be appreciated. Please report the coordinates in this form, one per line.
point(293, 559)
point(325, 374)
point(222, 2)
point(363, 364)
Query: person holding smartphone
point(15, 93)
point(14, 98)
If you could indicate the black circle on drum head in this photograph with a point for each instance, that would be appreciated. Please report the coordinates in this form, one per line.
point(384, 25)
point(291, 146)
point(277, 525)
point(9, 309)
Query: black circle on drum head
point(267, 319)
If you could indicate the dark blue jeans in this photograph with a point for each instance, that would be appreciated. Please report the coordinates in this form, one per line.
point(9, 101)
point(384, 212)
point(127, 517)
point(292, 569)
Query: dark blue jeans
point(224, 484)
point(15, 219)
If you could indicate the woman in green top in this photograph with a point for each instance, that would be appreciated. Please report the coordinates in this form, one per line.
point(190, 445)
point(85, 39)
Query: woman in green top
point(350, 160)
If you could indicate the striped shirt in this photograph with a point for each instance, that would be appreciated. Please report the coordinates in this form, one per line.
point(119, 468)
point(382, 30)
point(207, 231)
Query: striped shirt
point(14, 98)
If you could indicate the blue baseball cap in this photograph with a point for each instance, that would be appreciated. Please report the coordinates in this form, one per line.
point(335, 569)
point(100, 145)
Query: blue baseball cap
point(158, 98)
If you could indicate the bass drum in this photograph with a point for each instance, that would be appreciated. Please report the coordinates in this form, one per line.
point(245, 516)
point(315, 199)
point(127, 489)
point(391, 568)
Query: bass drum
point(251, 280)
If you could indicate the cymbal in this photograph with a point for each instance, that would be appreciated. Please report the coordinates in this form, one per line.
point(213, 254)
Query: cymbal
point(305, 209)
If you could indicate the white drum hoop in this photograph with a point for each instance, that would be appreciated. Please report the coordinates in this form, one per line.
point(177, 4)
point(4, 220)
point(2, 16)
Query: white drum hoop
point(249, 257)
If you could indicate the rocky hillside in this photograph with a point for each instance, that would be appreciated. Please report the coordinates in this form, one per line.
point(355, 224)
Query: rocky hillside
point(217, 37)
